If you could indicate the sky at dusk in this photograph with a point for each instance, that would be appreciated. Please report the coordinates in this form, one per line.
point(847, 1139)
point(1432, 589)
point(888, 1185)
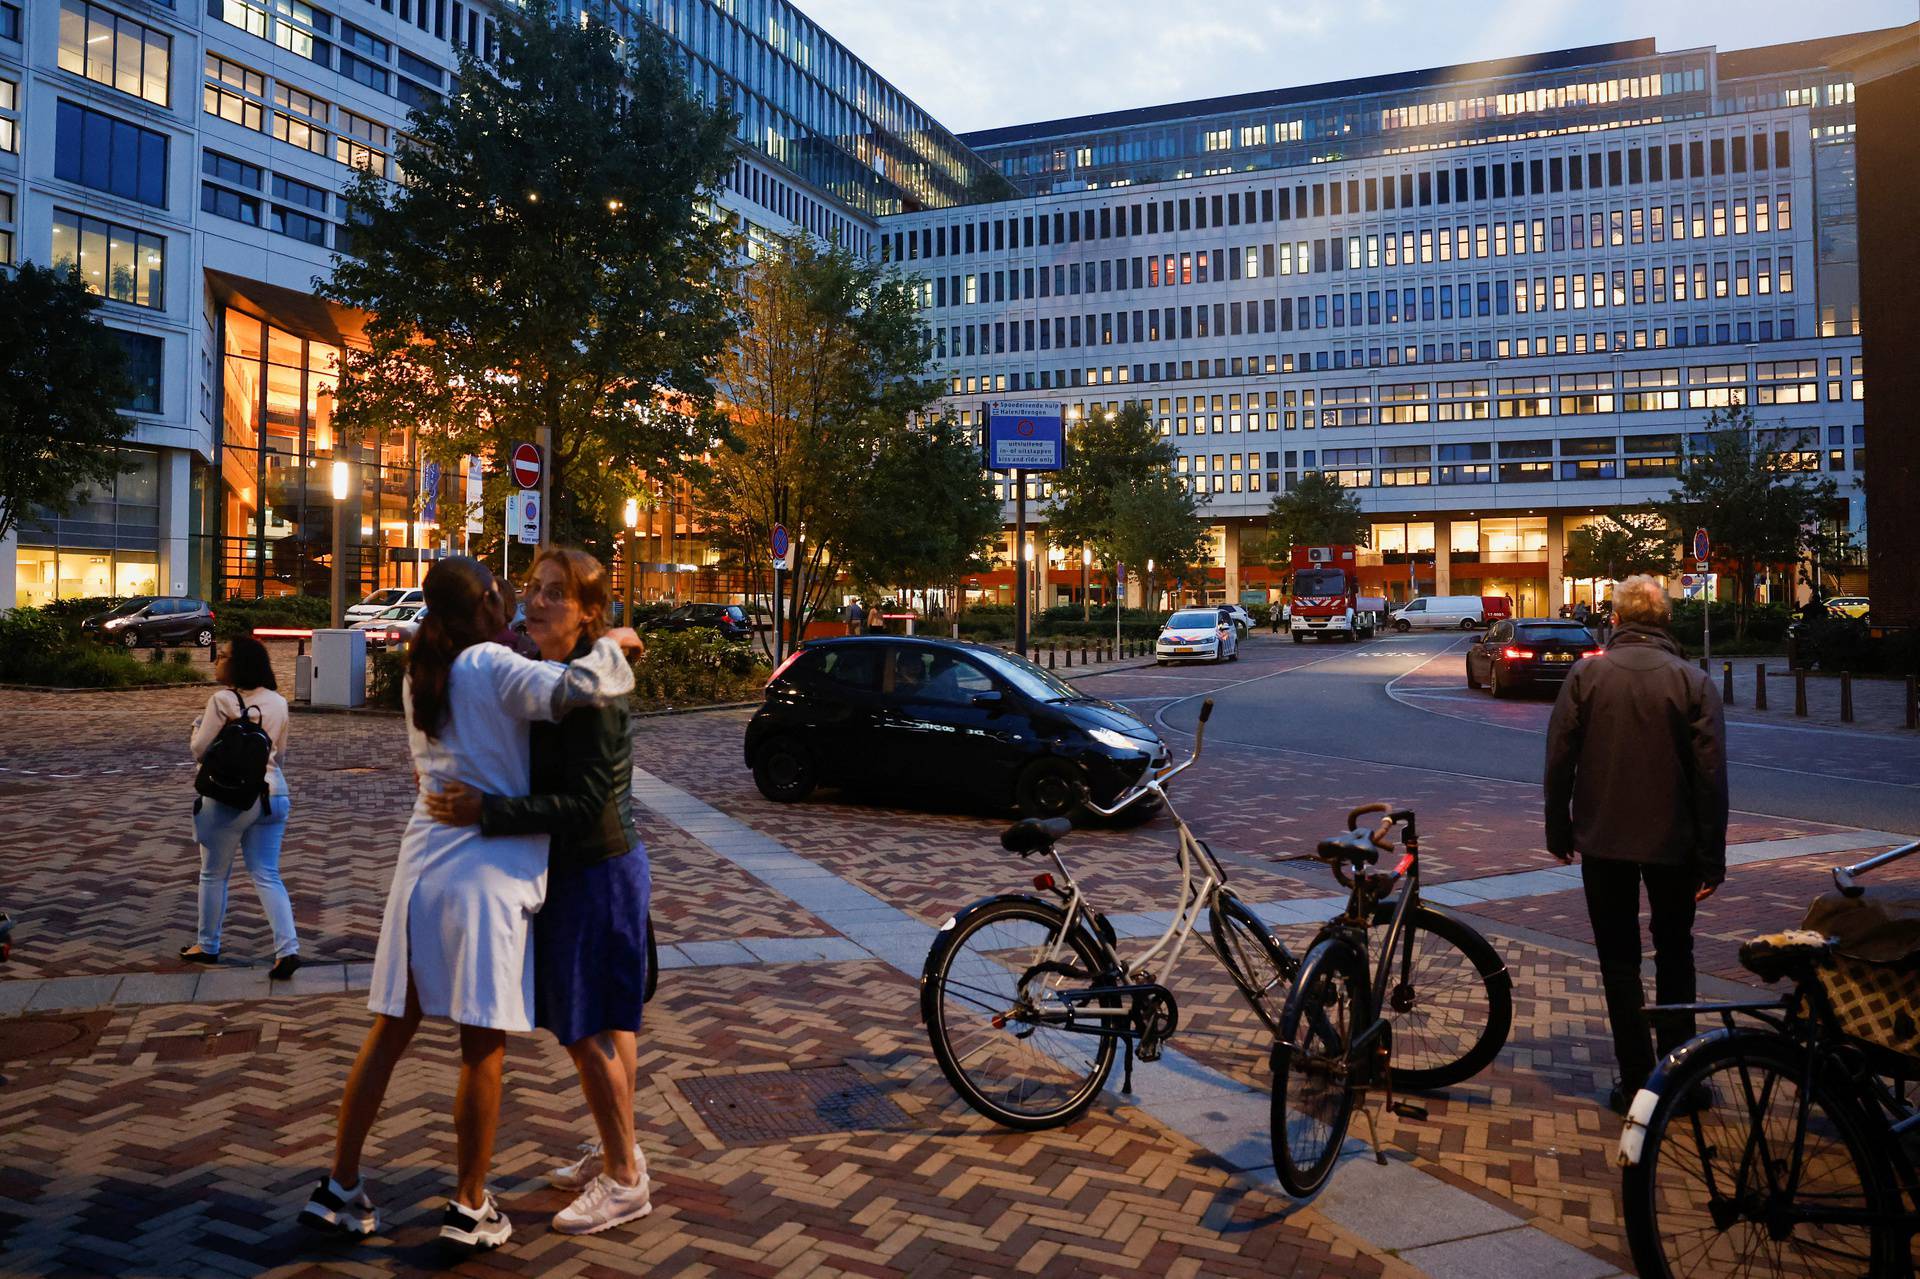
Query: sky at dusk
point(975, 64)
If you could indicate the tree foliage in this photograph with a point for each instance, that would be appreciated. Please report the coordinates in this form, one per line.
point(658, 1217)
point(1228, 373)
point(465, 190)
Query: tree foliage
point(550, 263)
point(1752, 498)
point(924, 512)
point(1619, 544)
point(62, 382)
point(831, 366)
point(1107, 455)
point(1156, 519)
point(1317, 511)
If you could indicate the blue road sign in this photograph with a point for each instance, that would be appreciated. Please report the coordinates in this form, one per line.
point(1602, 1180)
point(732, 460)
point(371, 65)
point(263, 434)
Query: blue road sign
point(779, 541)
point(1024, 435)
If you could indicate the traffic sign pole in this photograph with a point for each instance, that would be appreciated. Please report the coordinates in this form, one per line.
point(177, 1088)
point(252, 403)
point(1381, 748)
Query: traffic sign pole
point(1020, 562)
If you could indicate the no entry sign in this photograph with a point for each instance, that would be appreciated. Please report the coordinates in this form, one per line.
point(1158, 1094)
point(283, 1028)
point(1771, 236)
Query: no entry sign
point(526, 465)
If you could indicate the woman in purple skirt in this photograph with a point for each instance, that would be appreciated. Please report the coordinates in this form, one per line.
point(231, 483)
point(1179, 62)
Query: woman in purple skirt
point(590, 953)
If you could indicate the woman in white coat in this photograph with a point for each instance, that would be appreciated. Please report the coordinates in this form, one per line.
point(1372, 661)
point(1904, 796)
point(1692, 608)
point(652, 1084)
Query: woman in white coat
point(456, 939)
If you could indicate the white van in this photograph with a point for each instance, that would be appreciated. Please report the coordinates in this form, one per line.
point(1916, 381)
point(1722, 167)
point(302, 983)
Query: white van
point(1440, 612)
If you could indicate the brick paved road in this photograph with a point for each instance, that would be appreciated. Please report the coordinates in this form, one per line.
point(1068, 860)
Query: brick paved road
point(159, 1148)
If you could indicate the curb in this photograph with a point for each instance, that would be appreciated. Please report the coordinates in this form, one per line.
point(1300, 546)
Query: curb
point(130, 688)
point(694, 710)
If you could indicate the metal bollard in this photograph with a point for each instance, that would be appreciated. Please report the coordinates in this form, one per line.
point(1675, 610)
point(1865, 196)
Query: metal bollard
point(1846, 697)
point(1726, 683)
point(1800, 694)
point(1083, 655)
point(1759, 686)
point(1052, 656)
point(1913, 702)
point(1069, 659)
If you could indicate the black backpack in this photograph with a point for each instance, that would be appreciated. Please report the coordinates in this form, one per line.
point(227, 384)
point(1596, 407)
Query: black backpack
point(234, 769)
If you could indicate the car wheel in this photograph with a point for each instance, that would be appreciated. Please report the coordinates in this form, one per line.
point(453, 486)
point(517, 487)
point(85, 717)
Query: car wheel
point(1495, 685)
point(785, 772)
point(1471, 681)
point(1299, 638)
point(1048, 788)
point(131, 639)
point(1466, 623)
point(1159, 661)
point(203, 638)
point(1403, 626)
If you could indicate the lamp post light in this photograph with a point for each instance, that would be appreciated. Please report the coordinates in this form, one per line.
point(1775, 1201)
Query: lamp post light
point(342, 477)
point(1148, 601)
point(631, 515)
point(1086, 601)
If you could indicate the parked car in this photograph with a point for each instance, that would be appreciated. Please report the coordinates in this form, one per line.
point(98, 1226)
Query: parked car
point(1242, 620)
point(943, 716)
point(381, 600)
point(1515, 654)
point(397, 625)
point(729, 619)
point(1440, 612)
point(1196, 635)
point(153, 619)
point(1850, 605)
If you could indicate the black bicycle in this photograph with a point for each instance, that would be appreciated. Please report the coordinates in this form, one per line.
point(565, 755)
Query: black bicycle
point(1785, 1142)
point(1435, 1011)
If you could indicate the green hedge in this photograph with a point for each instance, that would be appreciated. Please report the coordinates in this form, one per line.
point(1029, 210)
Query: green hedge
point(237, 617)
point(389, 668)
point(1766, 624)
point(696, 668)
point(1848, 644)
point(38, 646)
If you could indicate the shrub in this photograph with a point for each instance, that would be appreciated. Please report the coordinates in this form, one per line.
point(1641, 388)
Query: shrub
point(389, 669)
point(237, 617)
point(694, 668)
point(36, 648)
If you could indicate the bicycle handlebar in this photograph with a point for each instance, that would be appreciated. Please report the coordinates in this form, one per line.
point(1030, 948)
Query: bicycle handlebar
point(1843, 875)
point(1159, 780)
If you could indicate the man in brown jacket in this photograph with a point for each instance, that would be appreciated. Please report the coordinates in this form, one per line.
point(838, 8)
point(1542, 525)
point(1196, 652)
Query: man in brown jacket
point(1636, 783)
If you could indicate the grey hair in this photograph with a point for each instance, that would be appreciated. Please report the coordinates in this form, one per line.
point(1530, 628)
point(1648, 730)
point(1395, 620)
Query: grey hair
point(1642, 600)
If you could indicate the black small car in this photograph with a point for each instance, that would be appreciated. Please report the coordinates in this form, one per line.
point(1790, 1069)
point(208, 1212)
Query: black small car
point(153, 619)
point(729, 619)
point(1528, 650)
point(957, 719)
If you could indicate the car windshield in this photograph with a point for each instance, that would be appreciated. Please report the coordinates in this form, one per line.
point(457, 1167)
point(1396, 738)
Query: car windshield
point(130, 607)
point(1319, 581)
point(387, 596)
point(1193, 619)
point(1553, 634)
point(1027, 677)
point(400, 613)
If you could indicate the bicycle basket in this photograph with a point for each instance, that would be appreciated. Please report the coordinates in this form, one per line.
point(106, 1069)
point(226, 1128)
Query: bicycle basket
point(1874, 980)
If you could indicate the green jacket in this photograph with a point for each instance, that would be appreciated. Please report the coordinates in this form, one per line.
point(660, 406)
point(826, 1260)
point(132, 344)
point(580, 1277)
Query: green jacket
point(581, 779)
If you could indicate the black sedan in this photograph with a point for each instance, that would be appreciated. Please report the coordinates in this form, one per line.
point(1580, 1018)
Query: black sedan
point(729, 619)
point(953, 719)
point(1514, 654)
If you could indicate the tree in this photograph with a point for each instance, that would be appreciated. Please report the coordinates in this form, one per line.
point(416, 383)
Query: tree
point(832, 364)
point(1317, 511)
point(62, 381)
point(925, 513)
point(1752, 499)
point(1105, 453)
point(1155, 518)
point(1619, 544)
point(551, 267)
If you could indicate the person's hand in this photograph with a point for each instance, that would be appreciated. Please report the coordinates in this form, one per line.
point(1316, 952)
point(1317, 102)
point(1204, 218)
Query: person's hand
point(1703, 892)
point(457, 805)
point(628, 639)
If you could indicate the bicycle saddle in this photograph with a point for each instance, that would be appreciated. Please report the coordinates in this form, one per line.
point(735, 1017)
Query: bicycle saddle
point(1355, 847)
point(1033, 834)
point(1778, 955)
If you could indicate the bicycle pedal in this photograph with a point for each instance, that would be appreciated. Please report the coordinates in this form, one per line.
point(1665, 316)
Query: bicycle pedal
point(1408, 1110)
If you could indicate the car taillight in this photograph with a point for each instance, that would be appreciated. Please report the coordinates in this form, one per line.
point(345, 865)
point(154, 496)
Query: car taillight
point(1517, 654)
point(1592, 652)
point(780, 670)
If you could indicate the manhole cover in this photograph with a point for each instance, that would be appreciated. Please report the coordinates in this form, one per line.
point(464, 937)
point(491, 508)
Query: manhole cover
point(776, 1105)
point(223, 1041)
point(30, 1038)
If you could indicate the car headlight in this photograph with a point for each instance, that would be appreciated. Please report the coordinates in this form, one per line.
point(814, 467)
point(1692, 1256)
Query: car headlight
point(1113, 740)
point(113, 623)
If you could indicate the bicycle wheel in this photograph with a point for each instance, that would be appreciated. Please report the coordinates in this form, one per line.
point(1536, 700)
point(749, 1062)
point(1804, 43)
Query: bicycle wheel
point(1313, 1089)
point(1450, 999)
point(998, 1026)
point(1712, 1192)
point(1259, 965)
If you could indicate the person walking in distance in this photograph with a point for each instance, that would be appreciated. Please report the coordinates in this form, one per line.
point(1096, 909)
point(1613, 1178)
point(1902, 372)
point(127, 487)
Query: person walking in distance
point(855, 615)
point(242, 804)
point(1636, 785)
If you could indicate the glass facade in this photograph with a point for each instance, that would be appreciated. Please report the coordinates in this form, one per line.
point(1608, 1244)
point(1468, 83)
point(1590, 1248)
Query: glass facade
point(106, 544)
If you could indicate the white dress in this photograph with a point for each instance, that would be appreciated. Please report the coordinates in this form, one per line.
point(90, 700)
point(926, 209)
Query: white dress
point(459, 909)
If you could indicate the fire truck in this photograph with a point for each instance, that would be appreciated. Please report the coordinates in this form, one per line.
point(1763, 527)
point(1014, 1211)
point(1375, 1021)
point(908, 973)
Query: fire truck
point(1326, 591)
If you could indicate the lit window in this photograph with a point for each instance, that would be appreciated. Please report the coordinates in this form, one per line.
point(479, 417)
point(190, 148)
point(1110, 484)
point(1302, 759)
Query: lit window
point(115, 51)
point(118, 262)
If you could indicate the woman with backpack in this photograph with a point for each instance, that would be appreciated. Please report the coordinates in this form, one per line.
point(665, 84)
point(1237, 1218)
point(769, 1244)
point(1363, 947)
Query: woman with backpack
point(242, 802)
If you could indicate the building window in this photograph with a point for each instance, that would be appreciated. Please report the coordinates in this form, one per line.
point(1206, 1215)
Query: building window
point(99, 151)
point(144, 359)
point(223, 203)
point(6, 228)
point(9, 116)
point(295, 122)
point(296, 192)
point(233, 92)
point(299, 226)
point(228, 169)
point(9, 22)
point(361, 143)
point(115, 51)
point(116, 262)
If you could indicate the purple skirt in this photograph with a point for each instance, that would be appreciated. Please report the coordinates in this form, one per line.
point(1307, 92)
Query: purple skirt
point(590, 948)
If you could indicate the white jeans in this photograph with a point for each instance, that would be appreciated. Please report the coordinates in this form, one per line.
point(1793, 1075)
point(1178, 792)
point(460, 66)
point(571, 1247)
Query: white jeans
point(224, 830)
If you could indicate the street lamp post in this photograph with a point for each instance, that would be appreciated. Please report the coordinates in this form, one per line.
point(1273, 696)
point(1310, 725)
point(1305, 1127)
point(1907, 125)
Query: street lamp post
point(1026, 581)
point(341, 477)
point(1149, 600)
point(1086, 600)
point(632, 516)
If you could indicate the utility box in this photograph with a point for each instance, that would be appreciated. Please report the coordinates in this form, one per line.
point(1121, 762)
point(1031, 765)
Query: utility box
point(339, 668)
point(303, 678)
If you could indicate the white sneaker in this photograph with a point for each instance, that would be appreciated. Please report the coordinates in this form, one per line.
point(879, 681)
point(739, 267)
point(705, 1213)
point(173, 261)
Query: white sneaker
point(486, 1227)
point(576, 1175)
point(604, 1204)
point(333, 1207)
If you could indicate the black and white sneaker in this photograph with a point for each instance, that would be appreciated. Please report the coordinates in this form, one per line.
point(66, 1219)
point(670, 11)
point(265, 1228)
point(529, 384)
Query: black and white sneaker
point(485, 1227)
point(348, 1212)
